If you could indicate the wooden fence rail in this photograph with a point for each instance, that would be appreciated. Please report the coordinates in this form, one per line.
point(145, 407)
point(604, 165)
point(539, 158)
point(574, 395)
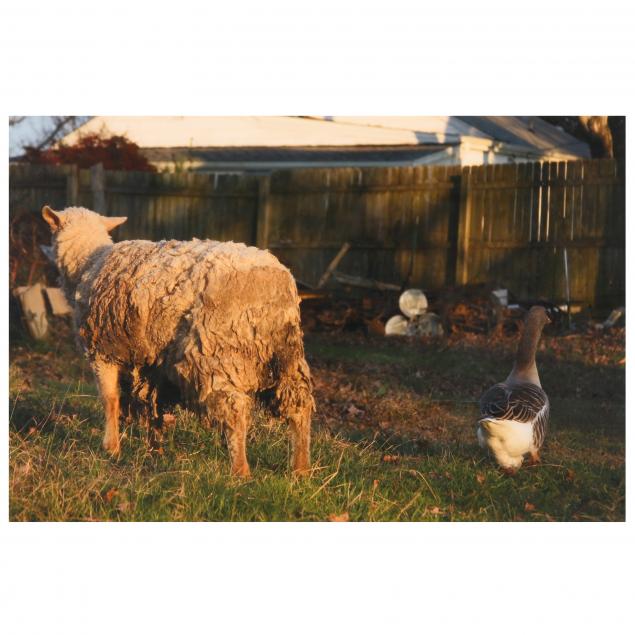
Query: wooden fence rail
point(432, 225)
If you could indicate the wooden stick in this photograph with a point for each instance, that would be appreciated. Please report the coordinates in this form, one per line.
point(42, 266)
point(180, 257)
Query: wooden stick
point(333, 265)
point(355, 281)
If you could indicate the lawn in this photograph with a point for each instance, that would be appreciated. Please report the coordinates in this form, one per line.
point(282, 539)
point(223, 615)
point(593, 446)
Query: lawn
point(393, 439)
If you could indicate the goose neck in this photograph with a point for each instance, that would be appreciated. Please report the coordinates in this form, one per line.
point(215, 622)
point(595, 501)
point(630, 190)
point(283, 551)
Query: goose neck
point(525, 365)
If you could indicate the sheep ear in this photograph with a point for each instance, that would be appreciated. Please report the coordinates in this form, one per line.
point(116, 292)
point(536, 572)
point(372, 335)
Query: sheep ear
point(53, 219)
point(111, 222)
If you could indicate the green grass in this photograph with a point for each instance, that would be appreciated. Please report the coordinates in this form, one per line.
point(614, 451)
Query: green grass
point(393, 440)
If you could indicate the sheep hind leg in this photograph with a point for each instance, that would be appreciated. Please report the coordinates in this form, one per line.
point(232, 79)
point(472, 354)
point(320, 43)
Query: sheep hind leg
point(234, 410)
point(300, 422)
point(296, 405)
point(107, 377)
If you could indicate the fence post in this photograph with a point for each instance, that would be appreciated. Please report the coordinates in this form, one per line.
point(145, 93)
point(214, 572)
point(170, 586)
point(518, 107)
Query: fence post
point(97, 188)
point(464, 223)
point(263, 217)
point(72, 186)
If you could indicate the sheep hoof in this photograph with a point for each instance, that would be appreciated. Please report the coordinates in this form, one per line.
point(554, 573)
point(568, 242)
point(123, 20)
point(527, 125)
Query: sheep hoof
point(509, 471)
point(302, 469)
point(534, 458)
point(111, 446)
point(242, 471)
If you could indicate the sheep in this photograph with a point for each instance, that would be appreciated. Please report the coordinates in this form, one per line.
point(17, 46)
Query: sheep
point(208, 324)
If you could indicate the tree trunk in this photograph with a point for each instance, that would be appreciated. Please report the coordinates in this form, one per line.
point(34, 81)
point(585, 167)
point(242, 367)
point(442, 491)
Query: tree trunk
point(599, 135)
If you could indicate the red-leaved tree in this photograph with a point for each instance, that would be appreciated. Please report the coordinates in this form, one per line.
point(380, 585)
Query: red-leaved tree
point(115, 152)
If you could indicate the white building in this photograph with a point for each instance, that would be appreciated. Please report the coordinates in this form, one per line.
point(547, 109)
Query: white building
point(261, 144)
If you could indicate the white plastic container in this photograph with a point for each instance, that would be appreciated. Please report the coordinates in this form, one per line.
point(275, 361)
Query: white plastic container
point(413, 303)
point(397, 325)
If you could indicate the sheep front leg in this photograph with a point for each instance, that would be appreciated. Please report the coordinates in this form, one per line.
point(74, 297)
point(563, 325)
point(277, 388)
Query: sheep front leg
point(107, 377)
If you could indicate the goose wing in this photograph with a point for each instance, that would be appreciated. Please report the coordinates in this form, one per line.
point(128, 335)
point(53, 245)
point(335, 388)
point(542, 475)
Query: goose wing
point(525, 403)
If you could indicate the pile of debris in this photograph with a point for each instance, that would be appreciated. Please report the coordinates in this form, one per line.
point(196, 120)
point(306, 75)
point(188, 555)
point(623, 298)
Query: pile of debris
point(333, 312)
point(475, 309)
point(357, 303)
point(469, 309)
point(483, 308)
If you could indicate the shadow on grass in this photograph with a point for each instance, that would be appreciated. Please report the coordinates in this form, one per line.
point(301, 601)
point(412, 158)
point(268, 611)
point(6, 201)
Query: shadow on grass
point(421, 463)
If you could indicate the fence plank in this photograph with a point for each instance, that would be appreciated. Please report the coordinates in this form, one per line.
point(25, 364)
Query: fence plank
point(263, 219)
point(465, 227)
point(72, 186)
point(97, 186)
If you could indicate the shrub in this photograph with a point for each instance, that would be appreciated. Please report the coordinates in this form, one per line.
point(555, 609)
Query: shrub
point(115, 152)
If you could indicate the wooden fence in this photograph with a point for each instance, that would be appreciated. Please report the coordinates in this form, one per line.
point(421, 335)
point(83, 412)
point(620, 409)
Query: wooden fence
point(431, 226)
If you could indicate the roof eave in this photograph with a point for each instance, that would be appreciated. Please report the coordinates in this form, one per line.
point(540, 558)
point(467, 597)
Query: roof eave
point(501, 147)
point(239, 166)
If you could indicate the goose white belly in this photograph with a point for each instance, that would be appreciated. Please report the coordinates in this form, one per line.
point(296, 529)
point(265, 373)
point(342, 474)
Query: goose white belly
point(508, 440)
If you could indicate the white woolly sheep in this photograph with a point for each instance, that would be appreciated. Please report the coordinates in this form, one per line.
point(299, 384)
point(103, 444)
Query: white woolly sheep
point(208, 324)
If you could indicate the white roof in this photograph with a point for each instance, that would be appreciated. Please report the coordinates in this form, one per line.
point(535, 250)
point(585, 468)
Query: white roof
point(443, 128)
point(169, 132)
point(529, 134)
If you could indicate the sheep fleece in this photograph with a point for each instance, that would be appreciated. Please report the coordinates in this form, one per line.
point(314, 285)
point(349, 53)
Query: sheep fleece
point(214, 317)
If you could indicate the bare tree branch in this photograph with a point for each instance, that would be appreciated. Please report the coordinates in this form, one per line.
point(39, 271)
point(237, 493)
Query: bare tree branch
point(60, 125)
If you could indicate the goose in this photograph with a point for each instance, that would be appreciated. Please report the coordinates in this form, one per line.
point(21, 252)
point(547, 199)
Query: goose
point(515, 413)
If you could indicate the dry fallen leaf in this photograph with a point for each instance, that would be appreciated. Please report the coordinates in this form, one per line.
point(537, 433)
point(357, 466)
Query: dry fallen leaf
point(529, 507)
point(354, 411)
point(110, 494)
point(169, 420)
point(24, 469)
point(480, 477)
point(435, 510)
point(339, 518)
point(390, 458)
point(376, 327)
point(570, 475)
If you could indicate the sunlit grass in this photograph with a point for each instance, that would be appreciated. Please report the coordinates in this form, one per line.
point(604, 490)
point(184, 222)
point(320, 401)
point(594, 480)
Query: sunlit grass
point(58, 470)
